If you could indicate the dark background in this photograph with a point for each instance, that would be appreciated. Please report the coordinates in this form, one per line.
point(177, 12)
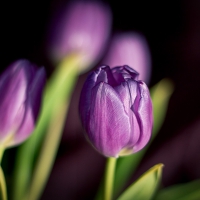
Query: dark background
point(172, 29)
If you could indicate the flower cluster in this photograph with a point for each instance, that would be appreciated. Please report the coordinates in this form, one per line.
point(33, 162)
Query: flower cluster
point(115, 106)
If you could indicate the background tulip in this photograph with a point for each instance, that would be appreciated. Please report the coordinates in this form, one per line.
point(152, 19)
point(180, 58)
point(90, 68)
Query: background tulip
point(21, 87)
point(116, 111)
point(130, 49)
point(83, 28)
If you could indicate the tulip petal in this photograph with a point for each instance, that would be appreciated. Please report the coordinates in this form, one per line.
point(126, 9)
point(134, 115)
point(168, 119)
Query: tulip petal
point(105, 75)
point(26, 128)
point(102, 74)
point(123, 73)
point(144, 114)
point(12, 95)
point(128, 93)
point(134, 74)
point(109, 127)
point(85, 98)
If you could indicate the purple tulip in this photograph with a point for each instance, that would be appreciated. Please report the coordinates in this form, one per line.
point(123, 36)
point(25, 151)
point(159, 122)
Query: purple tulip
point(83, 28)
point(130, 49)
point(116, 111)
point(21, 87)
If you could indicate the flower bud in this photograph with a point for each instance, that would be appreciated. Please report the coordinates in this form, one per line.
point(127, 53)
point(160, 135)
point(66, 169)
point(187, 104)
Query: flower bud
point(21, 87)
point(81, 29)
point(116, 111)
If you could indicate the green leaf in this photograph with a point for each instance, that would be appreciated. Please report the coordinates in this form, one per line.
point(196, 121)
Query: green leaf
point(100, 192)
point(186, 191)
point(56, 95)
point(145, 187)
point(3, 191)
point(160, 94)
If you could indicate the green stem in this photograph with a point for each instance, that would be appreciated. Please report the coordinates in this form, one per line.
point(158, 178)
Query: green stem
point(3, 190)
point(47, 155)
point(58, 93)
point(109, 178)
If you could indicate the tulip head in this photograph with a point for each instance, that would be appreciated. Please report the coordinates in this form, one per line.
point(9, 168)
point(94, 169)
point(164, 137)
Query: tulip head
point(116, 111)
point(81, 29)
point(130, 49)
point(21, 87)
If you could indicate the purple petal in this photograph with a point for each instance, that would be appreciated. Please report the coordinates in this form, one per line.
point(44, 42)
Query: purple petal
point(123, 73)
point(144, 114)
point(109, 127)
point(26, 128)
point(12, 96)
point(101, 74)
point(134, 74)
point(85, 98)
point(105, 75)
point(128, 93)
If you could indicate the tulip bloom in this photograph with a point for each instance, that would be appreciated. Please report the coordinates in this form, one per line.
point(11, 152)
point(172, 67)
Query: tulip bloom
point(82, 29)
point(130, 49)
point(21, 87)
point(116, 111)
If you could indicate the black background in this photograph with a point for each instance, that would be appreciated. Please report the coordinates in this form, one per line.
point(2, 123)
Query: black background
point(172, 29)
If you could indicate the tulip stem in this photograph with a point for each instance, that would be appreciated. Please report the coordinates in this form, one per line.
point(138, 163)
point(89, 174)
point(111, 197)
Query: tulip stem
point(109, 177)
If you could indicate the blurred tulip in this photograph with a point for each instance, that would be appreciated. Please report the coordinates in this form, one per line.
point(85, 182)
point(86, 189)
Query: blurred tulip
point(130, 49)
point(116, 111)
point(21, 87)
point(82, 29)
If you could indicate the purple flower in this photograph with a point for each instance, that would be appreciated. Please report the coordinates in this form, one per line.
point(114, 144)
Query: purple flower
point(130, 49)
point(81, 29)
point(21, 87)
point(116, 111)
